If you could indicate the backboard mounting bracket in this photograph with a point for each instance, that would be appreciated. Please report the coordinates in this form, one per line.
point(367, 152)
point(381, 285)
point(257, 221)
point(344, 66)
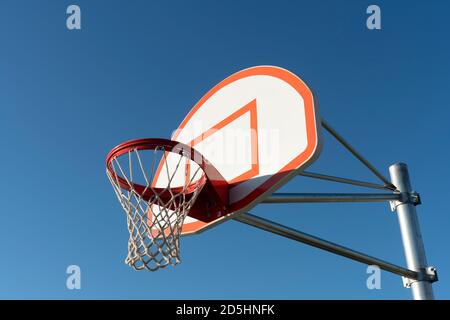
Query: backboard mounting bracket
point(402, 199)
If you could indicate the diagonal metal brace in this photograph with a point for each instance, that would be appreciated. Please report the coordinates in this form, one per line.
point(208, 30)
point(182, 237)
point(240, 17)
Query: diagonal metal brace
point(311, 240)
point(357, 155)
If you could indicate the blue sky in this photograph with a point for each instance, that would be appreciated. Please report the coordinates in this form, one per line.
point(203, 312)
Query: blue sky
point(136, 68)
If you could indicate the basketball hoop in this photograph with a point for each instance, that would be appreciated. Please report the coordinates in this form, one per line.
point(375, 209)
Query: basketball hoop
point(155, 213)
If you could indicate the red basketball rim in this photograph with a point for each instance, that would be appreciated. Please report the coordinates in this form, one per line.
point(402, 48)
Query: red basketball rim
point(211, 177)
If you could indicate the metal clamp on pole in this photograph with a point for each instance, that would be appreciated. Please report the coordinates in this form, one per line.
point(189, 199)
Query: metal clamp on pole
point(406, 197)
point(428, 274)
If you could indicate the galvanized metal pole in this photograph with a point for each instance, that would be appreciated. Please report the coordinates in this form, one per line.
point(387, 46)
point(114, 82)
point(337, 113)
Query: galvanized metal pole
point(410, 231)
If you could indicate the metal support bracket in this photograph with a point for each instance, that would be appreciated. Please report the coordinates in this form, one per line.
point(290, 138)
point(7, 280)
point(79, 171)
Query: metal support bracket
point(279, 229)
point(357, 155)
point(429, 274)
point(406, 197)
point(333, 197)
point(418, 275)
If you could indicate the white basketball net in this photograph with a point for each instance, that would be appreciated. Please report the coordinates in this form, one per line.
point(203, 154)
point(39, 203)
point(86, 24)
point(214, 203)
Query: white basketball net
point(154, 225)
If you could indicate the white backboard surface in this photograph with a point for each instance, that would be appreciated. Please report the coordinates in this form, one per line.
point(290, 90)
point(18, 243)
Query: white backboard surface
point(258, 127)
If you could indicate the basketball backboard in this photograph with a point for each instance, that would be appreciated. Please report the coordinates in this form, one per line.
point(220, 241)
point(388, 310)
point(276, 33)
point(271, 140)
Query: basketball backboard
point(258, 128)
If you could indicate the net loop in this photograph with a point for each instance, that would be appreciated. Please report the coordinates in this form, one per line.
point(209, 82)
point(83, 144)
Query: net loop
point(155, 213)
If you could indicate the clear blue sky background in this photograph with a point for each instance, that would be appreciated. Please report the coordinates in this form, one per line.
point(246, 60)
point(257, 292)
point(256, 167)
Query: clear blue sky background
point(137, 67)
